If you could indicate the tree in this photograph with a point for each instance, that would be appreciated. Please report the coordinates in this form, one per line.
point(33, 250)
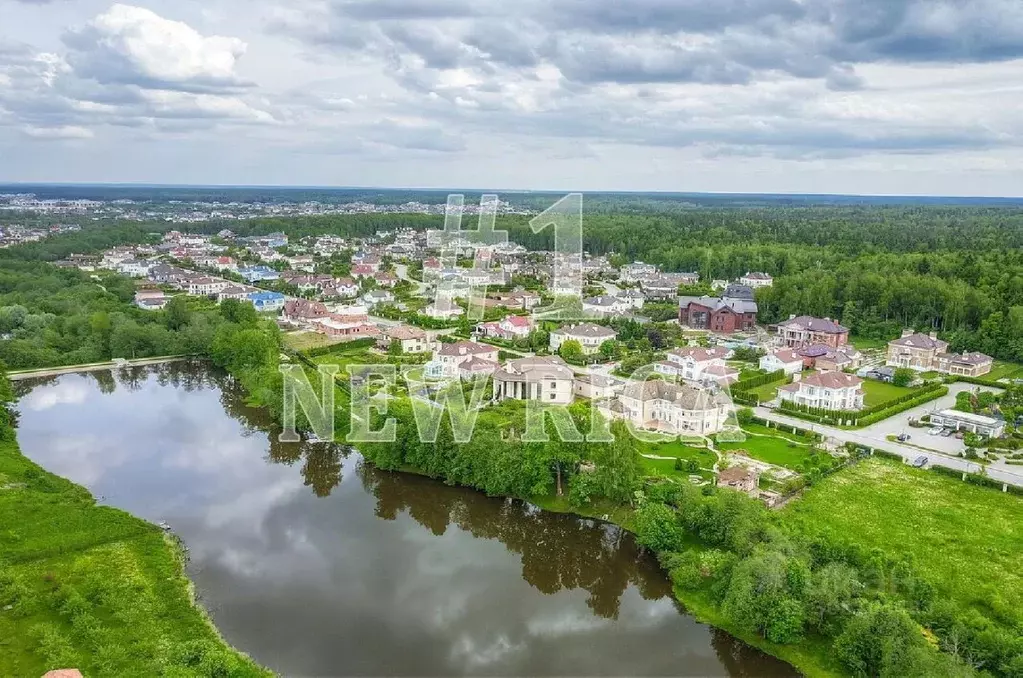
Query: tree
point(880, 640)
point(744, 415)
point(609, 349)
point(394, 348)
point(657, 528)
point(571, 351)
point(903, 376)
point(617, 474)
point(176, 312)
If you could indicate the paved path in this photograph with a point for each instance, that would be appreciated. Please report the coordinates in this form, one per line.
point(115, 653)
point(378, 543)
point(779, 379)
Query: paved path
point(92, 367)
point(875, 436)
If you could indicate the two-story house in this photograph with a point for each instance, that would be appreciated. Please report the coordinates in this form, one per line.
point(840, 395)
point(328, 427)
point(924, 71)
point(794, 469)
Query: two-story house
point(547, 379)
point(448, 358)
point(925, 352)
point(589, 336)
point(692, 363)
point(673, 408)
point(512, 327)
point(826, 390)
point(805, 330)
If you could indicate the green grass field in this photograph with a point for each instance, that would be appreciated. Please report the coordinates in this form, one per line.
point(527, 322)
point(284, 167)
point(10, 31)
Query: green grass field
point(967, 540)
point(778, 451)
point(1003, 370)
point(865, 344)
point(676, 449)
point(877, 392)
point(303, 341)
point(93, 587)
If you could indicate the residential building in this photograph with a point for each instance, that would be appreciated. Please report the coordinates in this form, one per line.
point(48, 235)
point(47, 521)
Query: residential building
point(412, 339)
point(784, 359)
point(805, 330)
point(449, 357)
point(204, 285)
point(674, 408)
point(597, 386)
point(150, 300)
point(267, 301)
point(345, 327)
point(136, 268)
point(374, 297)
point(756, 279)
point(659, 287)
point(606, 305)
point(253, 274)
point(443, 310)
point(967, 421)
point(547, 379)
point(925, 352)
point(718, 314)
point(740, 478)
point(512, 327)
point(235, 292)
point(300, 311)
point(692, 362)
point(825, 390)
point(825, 358)
point(588, 335)
point(636, 271)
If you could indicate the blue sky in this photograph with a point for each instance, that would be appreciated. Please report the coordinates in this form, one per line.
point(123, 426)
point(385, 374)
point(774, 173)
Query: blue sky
point(843, 96)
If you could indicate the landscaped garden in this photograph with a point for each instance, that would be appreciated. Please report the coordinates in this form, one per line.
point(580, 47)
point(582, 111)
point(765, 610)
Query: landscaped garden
point(878, 392)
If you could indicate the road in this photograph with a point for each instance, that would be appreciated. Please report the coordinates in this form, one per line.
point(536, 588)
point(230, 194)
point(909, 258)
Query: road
point(941, 451)
point(401, 270)
point(93, 367)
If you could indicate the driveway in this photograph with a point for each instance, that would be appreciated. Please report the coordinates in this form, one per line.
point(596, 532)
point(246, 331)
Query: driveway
point(941, 451)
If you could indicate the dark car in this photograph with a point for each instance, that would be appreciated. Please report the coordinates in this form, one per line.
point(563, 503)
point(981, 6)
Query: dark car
point(903, 437)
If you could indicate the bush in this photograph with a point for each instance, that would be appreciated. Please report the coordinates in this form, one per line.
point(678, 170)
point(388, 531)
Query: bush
point(657, 528)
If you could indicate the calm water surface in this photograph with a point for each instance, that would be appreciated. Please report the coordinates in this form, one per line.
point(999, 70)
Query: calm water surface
point(316, 564)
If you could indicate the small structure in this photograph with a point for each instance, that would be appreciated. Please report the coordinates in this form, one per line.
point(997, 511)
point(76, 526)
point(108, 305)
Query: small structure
point(967, 421)
point(756, 279)
point(740, 478)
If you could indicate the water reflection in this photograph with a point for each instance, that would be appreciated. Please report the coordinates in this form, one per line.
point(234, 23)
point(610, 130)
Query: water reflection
point(318, 564)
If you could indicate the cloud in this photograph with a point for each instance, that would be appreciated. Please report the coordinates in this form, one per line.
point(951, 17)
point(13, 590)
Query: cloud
point(134, 46)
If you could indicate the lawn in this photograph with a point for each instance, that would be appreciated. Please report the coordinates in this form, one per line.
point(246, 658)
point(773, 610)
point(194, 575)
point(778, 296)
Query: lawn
point(877, 392)
point(966, 539)
point(778, 451)
point(1002, 370)
point(864, 344)
point(303, 341)
point(677, 450)
point(94, 587)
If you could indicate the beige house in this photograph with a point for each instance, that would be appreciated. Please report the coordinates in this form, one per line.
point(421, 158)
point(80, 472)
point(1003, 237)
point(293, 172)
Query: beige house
point(448, 358)
point(588, 335)
point(925, 352)
point(826, 390)
point(547, 379)
point(413, 339)
point(597, 386)
point(740, 478)
point(673, 408)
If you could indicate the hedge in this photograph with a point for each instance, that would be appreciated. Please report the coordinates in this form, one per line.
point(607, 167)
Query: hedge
point(976, 479)
point(759, 380)
point(866, 416)
point(333, 348)
point(978, 380)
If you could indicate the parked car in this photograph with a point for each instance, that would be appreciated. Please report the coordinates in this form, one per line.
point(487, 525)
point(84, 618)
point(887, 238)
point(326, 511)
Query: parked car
point(935, 431)
point(946, 433)
point(903, 437)
point(920, 462)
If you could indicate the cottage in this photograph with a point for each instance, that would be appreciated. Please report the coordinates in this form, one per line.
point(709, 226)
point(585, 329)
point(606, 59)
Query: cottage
point(692, 363)
point(267, 301)
point(756, 279)
point(740, 478)
point(805, 330)
point(825, 390)
point(674, 408)
point(547, 379)
point(597, 386)
point(512, 327)
point(925, 352)
point(302, 310)
point(449, 357)
point(718, 314)
point(827, 359)
point(784, 359)
point(411, 339)
point(589, 336)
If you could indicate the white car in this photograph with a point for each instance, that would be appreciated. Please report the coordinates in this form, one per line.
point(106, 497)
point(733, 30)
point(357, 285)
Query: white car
point(935, 431)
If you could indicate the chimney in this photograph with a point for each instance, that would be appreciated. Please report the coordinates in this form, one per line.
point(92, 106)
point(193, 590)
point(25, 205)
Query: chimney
point(933, 335)
point(796, 377)
point(792, 316)
point(907, 332)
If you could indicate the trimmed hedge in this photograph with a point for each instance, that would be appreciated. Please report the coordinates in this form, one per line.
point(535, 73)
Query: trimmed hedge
point(759, 380)
point(977, 479)
point(866, 416)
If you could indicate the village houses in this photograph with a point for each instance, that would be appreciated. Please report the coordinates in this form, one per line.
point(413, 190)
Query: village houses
point(825, 390)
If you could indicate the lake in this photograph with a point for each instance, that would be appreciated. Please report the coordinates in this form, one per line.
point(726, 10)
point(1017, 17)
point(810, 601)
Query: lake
point(317, 564)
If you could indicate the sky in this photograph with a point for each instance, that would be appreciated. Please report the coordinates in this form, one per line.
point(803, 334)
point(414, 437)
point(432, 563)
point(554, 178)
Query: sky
point(914, 97)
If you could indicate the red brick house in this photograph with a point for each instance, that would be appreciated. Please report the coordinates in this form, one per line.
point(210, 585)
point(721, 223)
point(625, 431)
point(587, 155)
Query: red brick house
point(723, 315)
point(805, 330)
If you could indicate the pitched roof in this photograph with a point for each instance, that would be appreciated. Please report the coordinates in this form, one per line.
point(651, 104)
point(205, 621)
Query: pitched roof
point(786, 355)
point(700, 354)
point(720, 303)
point(685, 396)
point(827, 380)
point(533, 369)
point(466, 348)
point(586, 330)
point(918, 340)
point(806, 322)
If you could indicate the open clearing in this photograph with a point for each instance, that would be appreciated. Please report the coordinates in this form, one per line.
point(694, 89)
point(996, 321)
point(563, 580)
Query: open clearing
point(966, 539)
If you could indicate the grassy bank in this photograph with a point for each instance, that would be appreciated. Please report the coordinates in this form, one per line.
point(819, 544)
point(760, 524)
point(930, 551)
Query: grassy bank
point(93, 587)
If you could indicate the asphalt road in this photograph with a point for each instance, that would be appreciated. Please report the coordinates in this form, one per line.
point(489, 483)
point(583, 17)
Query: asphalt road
point(940, 451)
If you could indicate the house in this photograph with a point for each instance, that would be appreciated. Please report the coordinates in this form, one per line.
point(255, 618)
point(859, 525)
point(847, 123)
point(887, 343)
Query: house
point(345, 327)
point(443, 310)
point(784, 359)
point(363, 271)
point(590, 336)
point(925, 352)
point(597, 386)
point(302, 263)
point(302, 310)
point(253, 274)
point(449, 357)
point(636, 271)
point(606, 305)
point(674, 408)
point(412, 339)
point(547, 379)
point(660, 287)
point(340, 288)
point(805, 330)
point(718, 314)
point(235, 292)
point(756, 279)
point(476, 367)
point(692, 362)
point(740, 478)
point(521, 299)
point(267, 301)
point(737, 291)
point(150, 300)
point(386, 279)
point(203, 286)
point(967, 421)
point(634, 298)
point(512, 327)
point(825, 390)
point(136, 268)
point(374, 297)
point(825, 358)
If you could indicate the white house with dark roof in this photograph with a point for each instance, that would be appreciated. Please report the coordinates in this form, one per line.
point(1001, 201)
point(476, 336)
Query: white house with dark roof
point(547, 379)
point(589, 335)
point(756, 279)
point(448, 358)
point(784, 359)
point(691, 363)
point(826, 390)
